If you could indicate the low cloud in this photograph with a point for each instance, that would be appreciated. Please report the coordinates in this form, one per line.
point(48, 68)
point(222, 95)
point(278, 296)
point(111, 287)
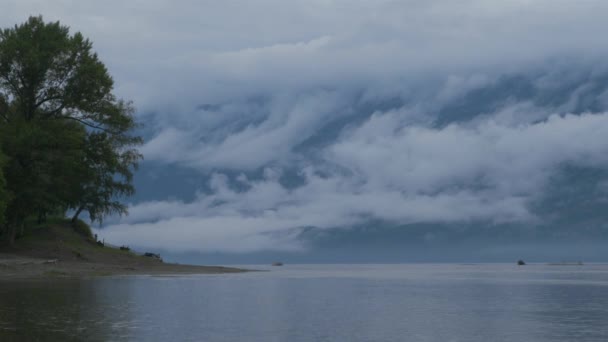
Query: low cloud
point(164, 54)
point(488, 172)
point(400, 111)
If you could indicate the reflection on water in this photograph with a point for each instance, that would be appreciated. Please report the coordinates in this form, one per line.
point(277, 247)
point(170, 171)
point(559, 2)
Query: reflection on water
point(318, 303)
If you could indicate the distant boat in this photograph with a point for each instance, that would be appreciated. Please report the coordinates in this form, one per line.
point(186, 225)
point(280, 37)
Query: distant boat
point(277, 264)
point(520, 263)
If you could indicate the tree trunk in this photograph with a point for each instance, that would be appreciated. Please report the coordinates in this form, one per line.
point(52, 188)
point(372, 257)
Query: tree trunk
point(41, 217)
point(21, 230)
point(12, 234)
point(75, 217)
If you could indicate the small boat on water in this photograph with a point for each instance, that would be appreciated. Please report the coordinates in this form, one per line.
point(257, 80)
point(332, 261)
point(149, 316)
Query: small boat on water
point(277, 263)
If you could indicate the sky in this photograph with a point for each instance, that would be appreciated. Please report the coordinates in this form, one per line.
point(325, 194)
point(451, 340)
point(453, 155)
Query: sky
point(380, 130)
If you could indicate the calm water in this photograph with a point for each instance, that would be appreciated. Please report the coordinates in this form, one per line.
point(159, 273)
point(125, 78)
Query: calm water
point(318, 303)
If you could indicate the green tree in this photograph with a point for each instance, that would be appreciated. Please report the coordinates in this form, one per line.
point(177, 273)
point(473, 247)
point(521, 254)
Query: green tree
point(46, 73)
point(56, 105)
point(108, 176)
point(46, 158)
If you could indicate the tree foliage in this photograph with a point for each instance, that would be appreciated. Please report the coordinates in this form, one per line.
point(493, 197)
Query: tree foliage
point(109, 173)
point(67, 138)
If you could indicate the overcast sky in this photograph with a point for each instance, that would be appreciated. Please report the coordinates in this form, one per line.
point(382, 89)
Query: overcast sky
point(327, 113)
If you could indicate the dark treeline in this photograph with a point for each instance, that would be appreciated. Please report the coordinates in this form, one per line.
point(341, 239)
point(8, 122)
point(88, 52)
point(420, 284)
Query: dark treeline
point(66, 141)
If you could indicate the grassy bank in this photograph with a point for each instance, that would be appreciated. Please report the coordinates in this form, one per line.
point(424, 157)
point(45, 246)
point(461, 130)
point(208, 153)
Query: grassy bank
point(60, 249)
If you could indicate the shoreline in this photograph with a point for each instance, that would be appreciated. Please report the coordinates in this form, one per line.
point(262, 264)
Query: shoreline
point(60, 250)
point(18, 267)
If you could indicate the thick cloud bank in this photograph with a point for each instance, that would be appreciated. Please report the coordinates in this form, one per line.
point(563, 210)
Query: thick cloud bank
point(330, 114)
point(403, 174)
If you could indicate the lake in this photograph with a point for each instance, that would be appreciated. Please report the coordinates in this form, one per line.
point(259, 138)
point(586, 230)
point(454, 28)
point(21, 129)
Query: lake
point(404, 302)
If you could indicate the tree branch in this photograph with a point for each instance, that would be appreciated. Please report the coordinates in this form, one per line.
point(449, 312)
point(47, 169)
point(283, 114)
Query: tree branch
point(88, 124)
point(46, 99)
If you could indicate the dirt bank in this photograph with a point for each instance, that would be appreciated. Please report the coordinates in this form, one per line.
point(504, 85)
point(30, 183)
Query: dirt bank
point(57, 250)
